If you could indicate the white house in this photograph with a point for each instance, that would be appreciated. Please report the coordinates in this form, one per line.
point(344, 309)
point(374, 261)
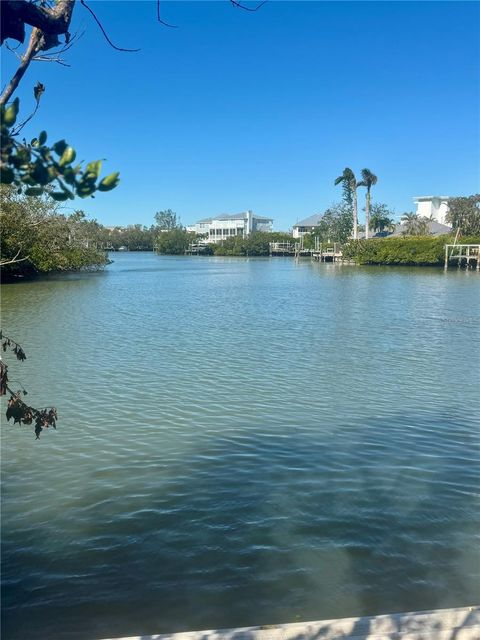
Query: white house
point(434, 207)
point(306, 226)
point(226, 225)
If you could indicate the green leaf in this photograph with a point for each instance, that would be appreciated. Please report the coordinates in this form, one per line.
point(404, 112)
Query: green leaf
point(59, 147)
point(34, 191)
point(69, 175)
point(68, 156)
point(109, 182)
point(94, 168)
point(85, 190)
point(40, 173)
point(42, 138)
point(10, 113)
point(35, 142)
point(59, 196)
point(7, 176)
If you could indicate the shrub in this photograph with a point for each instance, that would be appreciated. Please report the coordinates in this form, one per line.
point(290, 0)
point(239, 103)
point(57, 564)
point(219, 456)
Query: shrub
point(415, 250)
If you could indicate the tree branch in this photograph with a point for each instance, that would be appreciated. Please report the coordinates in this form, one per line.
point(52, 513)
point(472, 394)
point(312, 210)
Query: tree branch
point(13, 260)
point(37, 92)
point(32, 49)
point(82, 2)
point(54, 56)
point(159, 19)
point(52, 21)
point(245, 8)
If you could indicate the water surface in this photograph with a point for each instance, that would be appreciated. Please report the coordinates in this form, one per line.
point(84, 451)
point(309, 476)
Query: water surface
point(241, 442)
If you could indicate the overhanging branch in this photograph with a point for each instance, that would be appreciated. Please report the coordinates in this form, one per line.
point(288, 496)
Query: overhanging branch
point(52, 21)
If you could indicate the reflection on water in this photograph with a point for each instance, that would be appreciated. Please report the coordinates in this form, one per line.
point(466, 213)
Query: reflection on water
point(241, 442)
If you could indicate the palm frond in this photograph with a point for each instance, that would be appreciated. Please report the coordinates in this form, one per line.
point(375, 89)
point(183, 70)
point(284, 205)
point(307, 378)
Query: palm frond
point(369, 177)
point(347, 176)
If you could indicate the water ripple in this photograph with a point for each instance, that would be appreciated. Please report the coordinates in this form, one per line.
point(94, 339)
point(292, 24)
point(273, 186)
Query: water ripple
point(241, 442)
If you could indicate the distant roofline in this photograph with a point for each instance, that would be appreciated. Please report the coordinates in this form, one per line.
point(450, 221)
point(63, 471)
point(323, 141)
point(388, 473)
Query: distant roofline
point(307, 222)
point(232, 216)
point(416, 198)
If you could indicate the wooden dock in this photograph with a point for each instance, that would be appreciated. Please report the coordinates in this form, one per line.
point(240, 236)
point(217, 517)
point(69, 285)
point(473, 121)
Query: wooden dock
point(439, 624)
point(281, 248)
point(195, 249)
point(467, 255)
point(328, 253)
point(295, 249)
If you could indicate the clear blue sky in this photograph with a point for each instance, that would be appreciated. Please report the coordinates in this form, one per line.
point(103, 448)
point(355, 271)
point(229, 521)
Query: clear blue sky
point(236, 110)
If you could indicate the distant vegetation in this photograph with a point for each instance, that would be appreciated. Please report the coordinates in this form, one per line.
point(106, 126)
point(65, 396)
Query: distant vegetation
point(416, 250)
point(336, 225)
point(464, 214)
point(38, 238)
point(256, 244)
point(174, 242)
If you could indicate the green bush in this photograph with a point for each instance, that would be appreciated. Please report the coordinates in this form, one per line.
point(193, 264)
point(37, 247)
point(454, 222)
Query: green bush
point(256, 244)
point(414, 250)
point(174, 242)
point(38, 238)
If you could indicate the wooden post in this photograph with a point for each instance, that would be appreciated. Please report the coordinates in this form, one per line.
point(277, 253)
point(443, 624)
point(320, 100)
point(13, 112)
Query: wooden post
point(446, 257)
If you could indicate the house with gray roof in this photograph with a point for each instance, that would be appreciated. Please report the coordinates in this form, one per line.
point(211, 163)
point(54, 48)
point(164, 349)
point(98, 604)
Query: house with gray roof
point(306, 226)
point(227, 225)
point(433, 228)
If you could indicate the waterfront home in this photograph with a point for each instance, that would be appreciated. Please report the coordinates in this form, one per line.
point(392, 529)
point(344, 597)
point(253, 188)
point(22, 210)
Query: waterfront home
point(227, 225)
point(306, 226)
point(432, 207)
point(433, 228)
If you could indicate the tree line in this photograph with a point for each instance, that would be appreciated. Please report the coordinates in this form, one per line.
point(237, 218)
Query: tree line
point(39, 236)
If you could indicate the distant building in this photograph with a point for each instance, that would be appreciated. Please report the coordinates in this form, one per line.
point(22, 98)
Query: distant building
point(433, 207)
point(307, 225)
point(227, 225)
point(434, 228)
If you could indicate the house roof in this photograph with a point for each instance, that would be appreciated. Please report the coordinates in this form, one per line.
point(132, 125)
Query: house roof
point(312, 221)
point(426, 198)
point(434, 228)
point(234, 216)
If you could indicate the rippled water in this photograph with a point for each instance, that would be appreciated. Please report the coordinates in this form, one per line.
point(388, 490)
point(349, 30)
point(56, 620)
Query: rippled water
point(241, 441)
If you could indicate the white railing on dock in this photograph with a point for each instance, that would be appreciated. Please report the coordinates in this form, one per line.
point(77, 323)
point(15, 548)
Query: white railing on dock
point(328, 253)
point(282, 248)
point(464, 253)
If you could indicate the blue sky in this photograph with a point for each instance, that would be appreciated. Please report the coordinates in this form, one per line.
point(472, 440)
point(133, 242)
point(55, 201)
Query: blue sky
point(236, 110)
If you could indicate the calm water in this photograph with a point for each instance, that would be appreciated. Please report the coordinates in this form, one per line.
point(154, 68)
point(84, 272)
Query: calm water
point(241, 442)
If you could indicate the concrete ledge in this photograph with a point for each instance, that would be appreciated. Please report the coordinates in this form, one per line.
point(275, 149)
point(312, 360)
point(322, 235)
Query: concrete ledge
point(440, 624)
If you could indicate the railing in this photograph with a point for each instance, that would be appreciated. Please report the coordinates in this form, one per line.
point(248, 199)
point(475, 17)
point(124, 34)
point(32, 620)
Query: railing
point(284, 248)
point(195, 248)
point(464, 253)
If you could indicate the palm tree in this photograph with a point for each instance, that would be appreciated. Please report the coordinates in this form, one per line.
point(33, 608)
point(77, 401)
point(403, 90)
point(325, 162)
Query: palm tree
point(380, 222)
point(368, 180)
point(350, 194)
point(414, 225)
